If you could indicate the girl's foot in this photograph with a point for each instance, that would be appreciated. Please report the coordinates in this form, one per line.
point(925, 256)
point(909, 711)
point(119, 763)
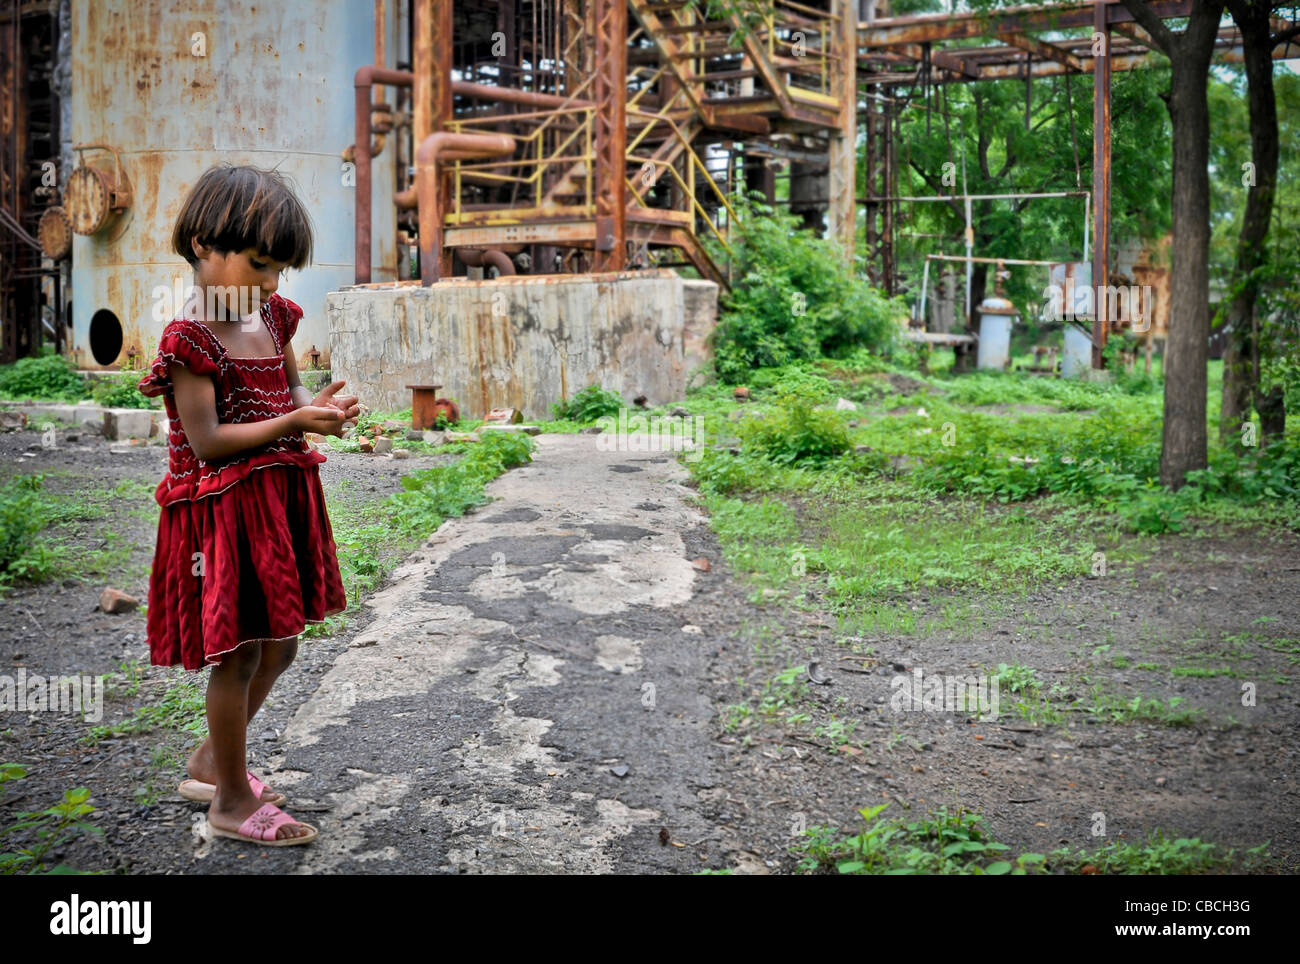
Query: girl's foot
point(202, 767)
point(230, 815)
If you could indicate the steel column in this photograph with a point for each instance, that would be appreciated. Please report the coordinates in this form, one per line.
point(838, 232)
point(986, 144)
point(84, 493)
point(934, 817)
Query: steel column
point(611, 134)
point(841, 212)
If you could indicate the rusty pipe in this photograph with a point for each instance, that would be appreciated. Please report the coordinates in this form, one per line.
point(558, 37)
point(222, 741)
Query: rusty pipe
point(478, 257)
point(363, 82)
point(438, 146)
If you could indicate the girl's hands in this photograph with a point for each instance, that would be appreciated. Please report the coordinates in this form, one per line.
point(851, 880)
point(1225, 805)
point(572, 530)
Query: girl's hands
point(347, 404)
point(321, 419)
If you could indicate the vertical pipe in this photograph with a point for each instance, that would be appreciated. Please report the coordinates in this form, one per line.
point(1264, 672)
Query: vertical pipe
point(970, 248)
point(1100, 181)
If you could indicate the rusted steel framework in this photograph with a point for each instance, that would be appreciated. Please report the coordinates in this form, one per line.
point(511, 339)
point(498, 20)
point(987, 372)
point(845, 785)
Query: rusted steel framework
point(29, 138)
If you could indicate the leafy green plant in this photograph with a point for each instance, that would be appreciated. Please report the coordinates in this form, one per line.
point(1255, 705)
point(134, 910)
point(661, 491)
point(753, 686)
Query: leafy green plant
point(120, 390)
point(796, 431)
point(182, 708)
point(50, 377)
point(53, 827)
point(794, 297)
point(591, 403)
point(941, 843)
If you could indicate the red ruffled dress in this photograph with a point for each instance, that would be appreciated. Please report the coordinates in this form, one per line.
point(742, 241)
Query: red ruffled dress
point(268, 565)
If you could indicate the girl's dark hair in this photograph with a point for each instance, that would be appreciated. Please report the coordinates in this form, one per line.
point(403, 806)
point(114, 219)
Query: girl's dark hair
point(232, 207)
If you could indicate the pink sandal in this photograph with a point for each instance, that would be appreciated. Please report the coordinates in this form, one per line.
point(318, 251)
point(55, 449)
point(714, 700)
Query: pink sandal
point(201, 792)
point(261, 828)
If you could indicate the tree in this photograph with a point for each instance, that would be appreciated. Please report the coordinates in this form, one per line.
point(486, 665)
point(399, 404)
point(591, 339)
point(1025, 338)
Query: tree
point(1241, 386)
point(1185, 443)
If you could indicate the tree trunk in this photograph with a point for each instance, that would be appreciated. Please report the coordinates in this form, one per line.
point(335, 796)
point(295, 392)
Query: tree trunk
point(1185, 441)
point(1240, 359)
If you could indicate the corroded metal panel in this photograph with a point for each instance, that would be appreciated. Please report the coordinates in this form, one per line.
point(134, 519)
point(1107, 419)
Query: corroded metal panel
point(177, 91)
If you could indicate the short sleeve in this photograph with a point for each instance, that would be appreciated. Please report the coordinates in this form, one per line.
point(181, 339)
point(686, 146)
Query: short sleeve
point(185, 344)
point(290, 315)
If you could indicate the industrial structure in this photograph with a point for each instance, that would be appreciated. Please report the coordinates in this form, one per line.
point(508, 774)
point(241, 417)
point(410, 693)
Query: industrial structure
point(435, 140)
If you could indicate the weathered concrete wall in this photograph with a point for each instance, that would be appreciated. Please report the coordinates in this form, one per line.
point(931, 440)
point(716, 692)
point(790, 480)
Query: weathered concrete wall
point(521, 342)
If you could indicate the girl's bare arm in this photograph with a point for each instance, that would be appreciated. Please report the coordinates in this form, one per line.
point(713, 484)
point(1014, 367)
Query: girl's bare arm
point(196, 404)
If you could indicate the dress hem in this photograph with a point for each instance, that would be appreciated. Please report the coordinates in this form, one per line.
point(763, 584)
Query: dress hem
point(209, 661)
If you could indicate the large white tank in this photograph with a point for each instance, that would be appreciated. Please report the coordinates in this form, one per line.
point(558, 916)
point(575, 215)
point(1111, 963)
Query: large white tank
point(177, 88)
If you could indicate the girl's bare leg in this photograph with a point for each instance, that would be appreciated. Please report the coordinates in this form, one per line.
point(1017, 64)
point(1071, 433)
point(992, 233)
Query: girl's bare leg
point(275, 659)
point(228, 687)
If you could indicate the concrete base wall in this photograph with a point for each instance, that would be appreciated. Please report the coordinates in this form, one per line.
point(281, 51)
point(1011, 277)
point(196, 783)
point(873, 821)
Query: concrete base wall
point(521, 342)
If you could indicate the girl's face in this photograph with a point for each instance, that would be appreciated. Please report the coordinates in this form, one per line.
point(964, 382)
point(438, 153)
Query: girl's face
point(252, 277)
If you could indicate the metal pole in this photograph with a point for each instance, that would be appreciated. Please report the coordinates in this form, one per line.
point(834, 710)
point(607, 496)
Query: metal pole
point(1100, 178)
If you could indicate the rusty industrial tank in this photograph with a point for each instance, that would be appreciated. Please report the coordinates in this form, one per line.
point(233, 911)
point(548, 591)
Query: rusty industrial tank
point(164, 97)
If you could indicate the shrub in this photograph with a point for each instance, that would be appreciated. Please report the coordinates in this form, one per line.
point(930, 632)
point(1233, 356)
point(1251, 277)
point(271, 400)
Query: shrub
point(51, 377)
point(591, 403)
point(796, 431)
point(794, 298)
point(120, 390)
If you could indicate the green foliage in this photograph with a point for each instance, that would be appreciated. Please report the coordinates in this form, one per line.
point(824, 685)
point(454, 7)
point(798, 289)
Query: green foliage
point(796, 431)
point(941, 843)
point(120, 390)
point(49, 377)
point(588, 405)
point(53, 828)
point(431, 496)
point(23, 514)
point(794, 298)
point(1156, 855)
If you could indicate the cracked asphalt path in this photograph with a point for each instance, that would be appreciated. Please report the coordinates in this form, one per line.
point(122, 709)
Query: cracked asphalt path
point(511, 670)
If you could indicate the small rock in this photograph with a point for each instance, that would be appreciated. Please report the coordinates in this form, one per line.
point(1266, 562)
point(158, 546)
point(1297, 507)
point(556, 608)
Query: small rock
point(461, 437)
point(414, 435)
point(845, 405)
point(592, 430)
point(691, 628)
point(366, 445)
point(701, 564)
point(383, 444)
point(853, 423)
point(679, 412)
point(432, 437)
point(741, 394)
point(619, 771)
point(392, 425)
point(115, 601)
point(401, 453)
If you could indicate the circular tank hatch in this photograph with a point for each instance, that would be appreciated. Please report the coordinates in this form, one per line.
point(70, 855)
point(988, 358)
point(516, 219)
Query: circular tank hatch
point(105, 337)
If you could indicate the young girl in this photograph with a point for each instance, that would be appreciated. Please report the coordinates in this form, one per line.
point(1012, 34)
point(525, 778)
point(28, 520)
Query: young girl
point(245, 555)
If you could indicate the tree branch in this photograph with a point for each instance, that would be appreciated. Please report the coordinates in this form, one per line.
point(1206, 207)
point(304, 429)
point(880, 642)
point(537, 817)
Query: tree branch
point(938, 188)
point(1161, 36)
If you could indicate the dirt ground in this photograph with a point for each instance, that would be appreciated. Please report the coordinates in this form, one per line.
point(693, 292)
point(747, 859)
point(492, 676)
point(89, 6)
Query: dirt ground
point(544, 687)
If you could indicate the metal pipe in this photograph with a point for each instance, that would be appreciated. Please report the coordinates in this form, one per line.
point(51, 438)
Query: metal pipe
point(478, 257)
point(363, 81)
point(438, 146)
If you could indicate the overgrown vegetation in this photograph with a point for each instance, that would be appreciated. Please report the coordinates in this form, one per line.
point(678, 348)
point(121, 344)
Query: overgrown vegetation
point(794, 298)
point(586, 406)
point(48, 377)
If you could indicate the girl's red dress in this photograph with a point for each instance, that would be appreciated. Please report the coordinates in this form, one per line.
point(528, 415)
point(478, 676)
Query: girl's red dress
point(245, 550)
